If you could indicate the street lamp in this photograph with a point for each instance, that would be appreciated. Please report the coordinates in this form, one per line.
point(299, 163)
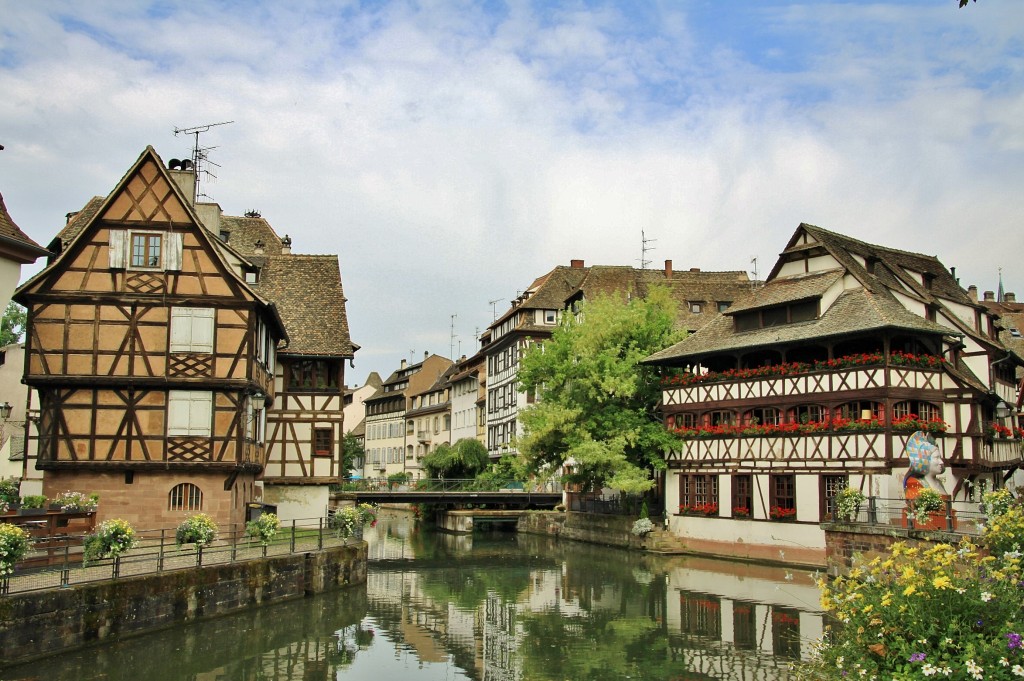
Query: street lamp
point(1003, 410)
point(5, 410)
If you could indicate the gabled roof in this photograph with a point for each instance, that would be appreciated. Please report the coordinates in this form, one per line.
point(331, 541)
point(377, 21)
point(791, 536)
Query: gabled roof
point(309, 297)
point(14, 242)
point(787, 290)
point(246, 231)
point(77, 221)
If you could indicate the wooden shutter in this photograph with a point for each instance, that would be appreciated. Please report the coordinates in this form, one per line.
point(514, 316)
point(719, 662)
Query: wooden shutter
point(172, 251)
point(117, 247)
point(192, 329)
point(189, 413)
point(202, 329)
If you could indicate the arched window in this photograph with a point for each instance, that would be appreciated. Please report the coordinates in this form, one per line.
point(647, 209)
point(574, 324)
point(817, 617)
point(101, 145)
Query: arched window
point(722, 417)
point(682, 420)
point(808, 413)
point(925, 411)
point(185, 497)
point(862, 410)
point(762, 416)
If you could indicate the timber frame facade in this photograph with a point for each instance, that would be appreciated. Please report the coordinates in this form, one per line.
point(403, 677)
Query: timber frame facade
point(816, 381)
point(161, 357)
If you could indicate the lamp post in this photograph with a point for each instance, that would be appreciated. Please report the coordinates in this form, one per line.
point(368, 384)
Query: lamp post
point(5, 410)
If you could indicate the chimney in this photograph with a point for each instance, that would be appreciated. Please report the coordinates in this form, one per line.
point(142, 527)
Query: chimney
point(972, 292)
point(695, 269)
point(402, 365)
point(1009, 298)
point(990, 296)
point(257, 247)
point(426, 353)
point(184, 175)
point(576, 264)
point(286, 245)
point(668, 269)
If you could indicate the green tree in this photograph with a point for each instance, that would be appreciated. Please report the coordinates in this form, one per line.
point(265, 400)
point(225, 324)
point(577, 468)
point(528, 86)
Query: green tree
point(596, 402)
point(12, 325)
point(351, 451)
point(463, 460)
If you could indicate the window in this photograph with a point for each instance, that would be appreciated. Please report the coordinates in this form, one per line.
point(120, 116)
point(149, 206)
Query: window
point(323, 441)
point(700, 614)
point(776, 316)
point(744, 625)
point(189, 413)
point(682, 420)
point(698, 492)
point(145, 250)
point(723, 305)
point(924, 411)
point(831, 486)
point(742, 496)
point(314, 374)
point(185, 497)
point(695, 307)
point(764, 416)
point(783, 496)
point(550, 316)
point(720, 418)
point(809, 413)
point(862, 410)
point(192, 329)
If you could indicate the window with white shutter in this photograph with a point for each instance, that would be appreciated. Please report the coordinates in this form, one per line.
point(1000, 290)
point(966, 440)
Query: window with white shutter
point(192, 329)
point(144, 250)
point(189, 413)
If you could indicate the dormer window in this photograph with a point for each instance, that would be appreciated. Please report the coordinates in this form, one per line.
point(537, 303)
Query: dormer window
point(695, 307)
point(802, 311)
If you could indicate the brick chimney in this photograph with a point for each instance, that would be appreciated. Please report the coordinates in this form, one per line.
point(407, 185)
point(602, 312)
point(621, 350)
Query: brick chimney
point(972, 292)
point(668, 269)
point(1009, 298)
point(990, 296)
point(576, 264)
point(695, 269)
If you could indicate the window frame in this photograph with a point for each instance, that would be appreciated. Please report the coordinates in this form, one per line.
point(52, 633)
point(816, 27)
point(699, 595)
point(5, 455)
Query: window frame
point(831, 485)
point(782, 492)
point(739, 494)
point(319, 436)
point(147, 237)
point(185, 496)
point(201, 321)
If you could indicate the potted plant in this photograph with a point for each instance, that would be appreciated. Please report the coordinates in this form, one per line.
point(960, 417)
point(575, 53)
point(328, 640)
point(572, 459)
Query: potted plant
point(13, 547)
point(10, 492)
point(782, 513)
point(33, 504)
point(263, 529)
point(740, 512)
point(75, 502)
point(927, 505)
point(198, 529)
point(642, 526)
point(110, 540)
point(847, 504)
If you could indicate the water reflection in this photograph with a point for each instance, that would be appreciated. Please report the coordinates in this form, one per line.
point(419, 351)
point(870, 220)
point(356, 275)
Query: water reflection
point(492, 607)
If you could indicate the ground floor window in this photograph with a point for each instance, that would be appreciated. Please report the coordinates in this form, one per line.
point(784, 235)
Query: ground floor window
point(831, 486)
point(783, 497)
point(742, 496)
point(185, 497)
point(698, 494)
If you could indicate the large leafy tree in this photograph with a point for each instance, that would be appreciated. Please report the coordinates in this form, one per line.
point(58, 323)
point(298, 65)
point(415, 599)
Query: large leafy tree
point(596, 402)
point(351, 451)
point(12, 326)
point(463, 460)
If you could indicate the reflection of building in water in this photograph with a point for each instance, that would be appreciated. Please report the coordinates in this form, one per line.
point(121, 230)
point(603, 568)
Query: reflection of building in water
point(502, 635)
point(735, 621)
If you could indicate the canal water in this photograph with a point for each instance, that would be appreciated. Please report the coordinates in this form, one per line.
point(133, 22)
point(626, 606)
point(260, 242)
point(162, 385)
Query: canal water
point(493, 606)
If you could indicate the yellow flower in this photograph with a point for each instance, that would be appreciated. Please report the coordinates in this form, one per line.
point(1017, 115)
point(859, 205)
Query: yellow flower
point(942, 582)
point(887, 599)
point(909, 591)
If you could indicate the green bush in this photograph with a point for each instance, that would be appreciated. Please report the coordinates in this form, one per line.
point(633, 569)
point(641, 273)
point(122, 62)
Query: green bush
point(198, 529)
point(10, 490)
point(263, 529)
point(110, 540)
point(13, 547)
point(34, 501)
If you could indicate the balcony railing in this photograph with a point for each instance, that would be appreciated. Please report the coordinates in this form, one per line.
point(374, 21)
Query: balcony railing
point(960, 517)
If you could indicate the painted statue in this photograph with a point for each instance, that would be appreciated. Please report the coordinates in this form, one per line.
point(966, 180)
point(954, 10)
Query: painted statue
point(926, 465)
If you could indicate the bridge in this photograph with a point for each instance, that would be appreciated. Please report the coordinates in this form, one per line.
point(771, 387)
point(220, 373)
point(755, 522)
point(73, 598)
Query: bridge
point(454, 493)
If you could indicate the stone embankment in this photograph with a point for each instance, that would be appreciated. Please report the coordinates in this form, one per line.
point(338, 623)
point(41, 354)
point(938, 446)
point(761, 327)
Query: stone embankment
point(39, 623)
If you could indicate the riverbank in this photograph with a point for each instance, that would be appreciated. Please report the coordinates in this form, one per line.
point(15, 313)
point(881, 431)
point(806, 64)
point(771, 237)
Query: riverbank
point(42, 623)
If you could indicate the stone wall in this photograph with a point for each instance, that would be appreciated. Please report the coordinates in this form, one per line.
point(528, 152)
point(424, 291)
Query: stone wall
point(43, 623)
point(845, 542)
point(609, 530)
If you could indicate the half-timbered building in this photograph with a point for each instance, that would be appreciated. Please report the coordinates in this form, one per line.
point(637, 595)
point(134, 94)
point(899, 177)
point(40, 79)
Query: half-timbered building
point(152, 358)
point(815, 381)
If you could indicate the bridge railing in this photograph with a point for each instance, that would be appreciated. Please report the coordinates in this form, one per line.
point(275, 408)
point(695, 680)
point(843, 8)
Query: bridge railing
point(449, 485)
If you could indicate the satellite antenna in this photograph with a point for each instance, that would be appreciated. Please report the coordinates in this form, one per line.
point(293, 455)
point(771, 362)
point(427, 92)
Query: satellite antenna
point(644, 262)
point(200, 155)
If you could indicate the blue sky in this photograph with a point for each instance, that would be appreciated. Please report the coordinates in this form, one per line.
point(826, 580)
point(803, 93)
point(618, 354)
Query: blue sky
point(450, 152)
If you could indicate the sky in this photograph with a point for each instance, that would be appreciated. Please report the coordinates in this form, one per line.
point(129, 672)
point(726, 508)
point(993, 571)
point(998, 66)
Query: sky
point(451, 152)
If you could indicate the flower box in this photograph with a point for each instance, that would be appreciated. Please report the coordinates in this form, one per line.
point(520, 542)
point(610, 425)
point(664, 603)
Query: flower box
point(782, 514)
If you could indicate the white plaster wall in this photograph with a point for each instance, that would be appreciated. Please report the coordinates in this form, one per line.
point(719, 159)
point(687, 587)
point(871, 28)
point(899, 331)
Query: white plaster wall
point(10, 274)
point(297, 502)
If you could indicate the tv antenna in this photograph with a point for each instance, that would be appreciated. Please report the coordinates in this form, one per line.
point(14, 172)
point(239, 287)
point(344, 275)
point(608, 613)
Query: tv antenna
point(644, 262)
point(494, 314)
point(200, 155)
point(451, 339)
point(755, 282)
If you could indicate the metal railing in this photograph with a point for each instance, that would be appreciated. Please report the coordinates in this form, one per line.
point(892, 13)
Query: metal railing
point(960, 517)
point(54, 562)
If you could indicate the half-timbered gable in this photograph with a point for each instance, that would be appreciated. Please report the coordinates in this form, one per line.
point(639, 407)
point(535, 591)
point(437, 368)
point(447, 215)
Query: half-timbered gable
point(816, 380)
point(144, 344)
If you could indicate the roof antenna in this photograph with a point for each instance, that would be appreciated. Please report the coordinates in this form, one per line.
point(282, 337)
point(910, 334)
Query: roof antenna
point(200, 155)
point(494, 314)
point(755, 282)
point(644, 262)
point(451, 339)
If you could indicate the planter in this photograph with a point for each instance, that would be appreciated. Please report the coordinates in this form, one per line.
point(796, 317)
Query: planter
point(935, 522)
point(55, 507)
point(31, 511)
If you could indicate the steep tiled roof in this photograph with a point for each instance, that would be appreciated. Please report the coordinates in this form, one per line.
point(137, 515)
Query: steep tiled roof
point(77, 222)
point(854, 312)
point(246, 231)
point(788, 290)
point(307, 292)
point(11, 233)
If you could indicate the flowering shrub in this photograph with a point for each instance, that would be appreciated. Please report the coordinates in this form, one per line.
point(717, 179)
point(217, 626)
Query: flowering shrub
point(263, 529)
point(71, 502)
point(198, 529)
point(795, 368)
point(110, 540)
point(367, 514)
point(997, 502)
point(642, 526)
point(10, 490)
point(848, 502)
point(13, 547)
point(944, 612)
point(1003, 534)
point(782, 513)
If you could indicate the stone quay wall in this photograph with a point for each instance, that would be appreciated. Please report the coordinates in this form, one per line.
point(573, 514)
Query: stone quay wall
point(41, 623)
point(608, 530)
point(843, 543)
